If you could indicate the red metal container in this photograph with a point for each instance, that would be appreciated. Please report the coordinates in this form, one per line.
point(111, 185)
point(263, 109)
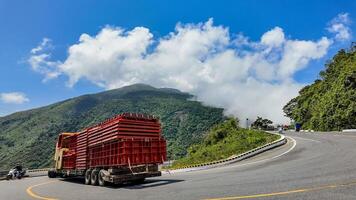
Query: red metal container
point(125, 140)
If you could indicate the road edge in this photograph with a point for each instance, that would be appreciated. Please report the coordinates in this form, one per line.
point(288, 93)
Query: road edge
point(233, 159)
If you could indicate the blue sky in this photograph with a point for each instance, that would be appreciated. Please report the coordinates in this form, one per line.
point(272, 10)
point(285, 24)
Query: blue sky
point(25, 24)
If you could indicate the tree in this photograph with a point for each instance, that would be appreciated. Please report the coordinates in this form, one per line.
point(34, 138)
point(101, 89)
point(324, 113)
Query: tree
point(261, 123)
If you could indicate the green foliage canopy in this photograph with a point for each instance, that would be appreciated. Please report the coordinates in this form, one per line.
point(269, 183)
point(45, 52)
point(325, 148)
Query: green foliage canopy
point(261, 123)
point(330, 102)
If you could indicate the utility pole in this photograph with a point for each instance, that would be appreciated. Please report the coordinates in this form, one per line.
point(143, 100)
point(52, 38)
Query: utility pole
point(247, 127)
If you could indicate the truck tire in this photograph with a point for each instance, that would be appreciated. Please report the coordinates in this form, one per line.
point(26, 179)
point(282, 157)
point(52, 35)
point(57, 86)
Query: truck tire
point(94, 178)
point(101, 176)
point(87, 177)
point(52, 174)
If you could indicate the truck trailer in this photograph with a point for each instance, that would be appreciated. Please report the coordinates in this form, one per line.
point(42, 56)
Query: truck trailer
point(128, 147)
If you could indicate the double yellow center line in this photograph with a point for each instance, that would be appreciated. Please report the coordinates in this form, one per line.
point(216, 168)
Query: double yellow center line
point(286, 192)
point(34, 195)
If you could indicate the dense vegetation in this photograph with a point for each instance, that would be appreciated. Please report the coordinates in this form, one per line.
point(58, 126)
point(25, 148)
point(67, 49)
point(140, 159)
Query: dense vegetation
point(224, 140)
point(261, 123)
point(29, 137)
point(330, 102)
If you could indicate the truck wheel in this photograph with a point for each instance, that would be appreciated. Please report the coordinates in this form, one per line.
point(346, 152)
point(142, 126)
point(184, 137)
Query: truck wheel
point(52, 174)
point(87, 177)
point(101, 180)
point(94, 177)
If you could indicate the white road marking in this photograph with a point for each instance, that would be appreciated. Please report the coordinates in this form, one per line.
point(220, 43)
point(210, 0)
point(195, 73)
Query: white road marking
point(274, 157)
point(307, 139)
point(240, 165)
point(255, 162)
point(344, 135)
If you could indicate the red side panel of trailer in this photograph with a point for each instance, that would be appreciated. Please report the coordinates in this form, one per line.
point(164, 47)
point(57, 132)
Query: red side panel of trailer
point(82, 150)
point(126, 152)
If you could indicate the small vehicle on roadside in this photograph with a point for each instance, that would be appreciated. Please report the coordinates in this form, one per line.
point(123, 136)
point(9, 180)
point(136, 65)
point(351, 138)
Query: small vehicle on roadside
point(16, 173)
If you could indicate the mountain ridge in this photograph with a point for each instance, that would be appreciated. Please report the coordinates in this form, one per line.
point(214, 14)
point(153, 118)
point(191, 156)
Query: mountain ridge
point(29, 136)
point(163, 89)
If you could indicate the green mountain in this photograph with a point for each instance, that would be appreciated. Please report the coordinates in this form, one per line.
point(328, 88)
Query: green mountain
point(29, 137)
point(330, 102)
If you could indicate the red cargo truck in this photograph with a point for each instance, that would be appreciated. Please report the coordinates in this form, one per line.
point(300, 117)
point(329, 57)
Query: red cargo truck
point(128, 147)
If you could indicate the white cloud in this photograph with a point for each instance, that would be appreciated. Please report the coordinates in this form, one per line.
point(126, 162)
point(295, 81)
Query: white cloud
point(340, 27)
point(247, 78)
point(13, 98)
point(273, 38)
point(99, 58)
point(297, 54)
point(40, 60)
point(46, 43)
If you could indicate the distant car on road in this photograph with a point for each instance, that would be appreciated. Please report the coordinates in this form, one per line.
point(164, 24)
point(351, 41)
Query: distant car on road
point(280, 130)
point(298, 126)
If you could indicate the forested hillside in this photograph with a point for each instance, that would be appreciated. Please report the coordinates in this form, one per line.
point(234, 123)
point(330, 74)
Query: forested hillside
point(222, 141)
point(29, 137)
point(330, 102)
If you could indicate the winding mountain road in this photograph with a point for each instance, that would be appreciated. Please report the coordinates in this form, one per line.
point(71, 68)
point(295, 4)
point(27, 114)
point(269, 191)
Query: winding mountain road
point(309, 166)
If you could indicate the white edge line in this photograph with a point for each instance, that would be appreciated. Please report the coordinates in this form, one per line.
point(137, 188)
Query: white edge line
point(267, 159)
point(307, 139)
point(250, 163)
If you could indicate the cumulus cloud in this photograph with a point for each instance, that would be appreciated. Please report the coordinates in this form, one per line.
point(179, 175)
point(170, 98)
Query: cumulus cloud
point(110, 49)
point(13, 98)
point(297, 54)
point(40, 60)
point(340, 27)
point(247, 78)
point(274, 37)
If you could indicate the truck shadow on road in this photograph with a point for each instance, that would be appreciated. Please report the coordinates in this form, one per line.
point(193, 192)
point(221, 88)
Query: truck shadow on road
point(149, 183)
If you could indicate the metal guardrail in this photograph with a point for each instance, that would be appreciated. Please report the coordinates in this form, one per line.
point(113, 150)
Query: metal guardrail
point(235, 158)
point(349, 130)
point(3, 173)
point(38, 170)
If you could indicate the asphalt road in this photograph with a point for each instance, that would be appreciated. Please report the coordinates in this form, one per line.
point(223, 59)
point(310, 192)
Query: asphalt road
point(309, 166)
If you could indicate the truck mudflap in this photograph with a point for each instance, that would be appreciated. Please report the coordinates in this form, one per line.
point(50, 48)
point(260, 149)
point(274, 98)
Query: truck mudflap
point(117, 179)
